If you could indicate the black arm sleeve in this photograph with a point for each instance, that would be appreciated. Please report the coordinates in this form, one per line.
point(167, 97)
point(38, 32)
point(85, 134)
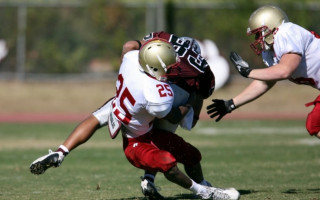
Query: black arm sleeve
point(174, 116)
point(139, 43)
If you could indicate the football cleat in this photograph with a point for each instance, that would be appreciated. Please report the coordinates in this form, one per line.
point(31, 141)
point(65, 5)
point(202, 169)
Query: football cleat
point(149, 190)
point(52, 159)
point(220, 194)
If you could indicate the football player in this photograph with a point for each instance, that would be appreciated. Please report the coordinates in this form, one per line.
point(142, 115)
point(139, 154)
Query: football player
point(142, 95)
point(288, 50)
point(192, 75)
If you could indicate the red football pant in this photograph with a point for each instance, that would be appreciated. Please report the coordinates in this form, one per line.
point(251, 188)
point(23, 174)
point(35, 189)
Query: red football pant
point(313, 119)
point(159, 150)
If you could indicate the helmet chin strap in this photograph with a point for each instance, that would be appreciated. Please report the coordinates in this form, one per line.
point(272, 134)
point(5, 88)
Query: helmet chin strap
point(266, 46)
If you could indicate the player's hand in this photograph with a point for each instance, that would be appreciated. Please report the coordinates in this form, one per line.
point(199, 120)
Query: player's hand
point(241, 65)
point(219, 108)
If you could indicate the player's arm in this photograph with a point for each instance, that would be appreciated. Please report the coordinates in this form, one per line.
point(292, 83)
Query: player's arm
point(255, 90)
point(288, 64)
point(197, 109)
point(131, 45)
point(178, 113)
point(219, 108)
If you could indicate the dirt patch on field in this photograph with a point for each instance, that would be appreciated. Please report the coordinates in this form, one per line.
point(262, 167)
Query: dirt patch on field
point(14, 144)
point(45, 99)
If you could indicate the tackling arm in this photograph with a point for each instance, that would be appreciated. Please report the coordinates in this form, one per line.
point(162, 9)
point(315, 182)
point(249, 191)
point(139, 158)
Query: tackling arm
point(131, 45)
point(197, 109)
point(253, 91)
point(287, 65)
point(219, 108)
point(178, 113)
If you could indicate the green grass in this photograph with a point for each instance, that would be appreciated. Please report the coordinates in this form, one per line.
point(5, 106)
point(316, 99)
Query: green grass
point(271, 160)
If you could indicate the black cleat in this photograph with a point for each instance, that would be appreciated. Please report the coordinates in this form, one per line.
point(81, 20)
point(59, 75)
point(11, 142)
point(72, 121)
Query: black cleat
point(39, 166)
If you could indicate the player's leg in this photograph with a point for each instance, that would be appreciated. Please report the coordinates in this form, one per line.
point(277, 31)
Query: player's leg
point(204, 192)
point(78, 136)
point(184, 152)
point(313, 119)
point(142, 154)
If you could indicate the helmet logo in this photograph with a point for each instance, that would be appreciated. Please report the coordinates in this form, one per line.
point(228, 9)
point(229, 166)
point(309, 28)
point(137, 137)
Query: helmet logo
point(163, 65)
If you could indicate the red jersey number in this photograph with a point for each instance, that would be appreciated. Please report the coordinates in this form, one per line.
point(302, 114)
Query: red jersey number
point(124, 95)
point(164, 90)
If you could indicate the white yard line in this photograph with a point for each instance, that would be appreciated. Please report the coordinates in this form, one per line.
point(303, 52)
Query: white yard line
point(257, 130)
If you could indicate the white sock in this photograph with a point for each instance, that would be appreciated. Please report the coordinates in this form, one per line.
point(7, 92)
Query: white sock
point(63, 149)
point(197, 188)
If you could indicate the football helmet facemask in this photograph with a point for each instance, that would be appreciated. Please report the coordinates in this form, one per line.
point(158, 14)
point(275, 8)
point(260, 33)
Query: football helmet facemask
point(156, 56)
point(262, 23)
point(194, 44)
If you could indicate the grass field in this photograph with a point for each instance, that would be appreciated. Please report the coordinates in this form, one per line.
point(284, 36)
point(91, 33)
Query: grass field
point(264, 160)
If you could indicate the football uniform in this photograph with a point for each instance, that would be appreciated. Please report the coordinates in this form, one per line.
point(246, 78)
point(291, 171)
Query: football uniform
point(194, 73)
point(291, 38)
point(139, 100)
point(139, 97)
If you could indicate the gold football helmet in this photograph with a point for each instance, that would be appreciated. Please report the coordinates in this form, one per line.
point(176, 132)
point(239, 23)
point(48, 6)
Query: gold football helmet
point(263, 22)
point(156, 57)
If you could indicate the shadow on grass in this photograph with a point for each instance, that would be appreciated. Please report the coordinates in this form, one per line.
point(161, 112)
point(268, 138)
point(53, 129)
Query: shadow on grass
point(185, 196)
point(246, 192)
point(297, 191)
point(177, 197)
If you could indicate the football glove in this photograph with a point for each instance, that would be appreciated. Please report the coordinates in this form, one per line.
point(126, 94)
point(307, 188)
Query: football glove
point(52, 159)
point(241, 65)
point(220, 108)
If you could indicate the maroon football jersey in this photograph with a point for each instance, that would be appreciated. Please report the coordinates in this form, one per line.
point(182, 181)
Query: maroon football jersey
point(193, 74)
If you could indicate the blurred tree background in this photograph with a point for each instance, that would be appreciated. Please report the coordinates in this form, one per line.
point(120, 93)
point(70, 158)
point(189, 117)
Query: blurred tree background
point(85, 37)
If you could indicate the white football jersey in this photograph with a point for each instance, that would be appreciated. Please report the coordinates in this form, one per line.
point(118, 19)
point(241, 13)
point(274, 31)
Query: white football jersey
point(180, 98)
point(139, 98)
point(291, 38)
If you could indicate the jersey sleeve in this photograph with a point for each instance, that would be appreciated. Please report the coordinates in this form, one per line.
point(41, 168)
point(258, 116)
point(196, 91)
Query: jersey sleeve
point(288, 40)
point(159, 97)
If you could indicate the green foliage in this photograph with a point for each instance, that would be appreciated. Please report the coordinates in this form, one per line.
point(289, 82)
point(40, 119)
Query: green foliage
point(66, 38)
